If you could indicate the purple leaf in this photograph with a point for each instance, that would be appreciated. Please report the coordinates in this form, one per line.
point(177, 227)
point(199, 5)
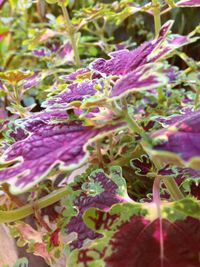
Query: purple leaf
point(134, 236)
point(98, 190)
point(167, 121)
point(74, 75)
point(74, 92)
point(48, 145)
point(21, 128)
point(64, 55)
point(188, 3)
point(31, 81)
point(57, 54)
point(40, 52)
point(143, 78)
point(142, 165)
point(171, 43)
point(181, 139)
point(124, 61)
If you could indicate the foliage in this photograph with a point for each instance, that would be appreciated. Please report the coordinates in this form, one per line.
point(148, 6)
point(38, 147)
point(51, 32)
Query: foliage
point(99, 133)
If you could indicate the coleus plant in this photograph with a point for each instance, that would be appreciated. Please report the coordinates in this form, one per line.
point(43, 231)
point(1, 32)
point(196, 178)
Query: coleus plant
point(117, 124)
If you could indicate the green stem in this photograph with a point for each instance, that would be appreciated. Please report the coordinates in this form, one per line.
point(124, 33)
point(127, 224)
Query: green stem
point(16, 95)
point(111, 147)
point(170, 183)
point(161, 95)
point(133, 124)
point(20, 213)
point(173, 188)
point(71, 32)
point(156, 15)
point(99, 155)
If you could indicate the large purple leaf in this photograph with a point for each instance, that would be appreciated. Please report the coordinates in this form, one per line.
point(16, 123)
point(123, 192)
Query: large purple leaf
point(188, 3)
point(74, 92)
point(134, 235)
point(144, 77)
point(48, 145)
point(167, 121)
point(179, 143)
point(125, 61)
point(98, 190)
point(21, 128)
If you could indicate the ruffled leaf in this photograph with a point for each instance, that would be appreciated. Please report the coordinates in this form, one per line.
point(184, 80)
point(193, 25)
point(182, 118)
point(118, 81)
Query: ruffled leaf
point(97, 190)
point(74, 92)
point(47, 145)
point(135, 229)
point(179, 143)
point(145, 77)
point(124, 61)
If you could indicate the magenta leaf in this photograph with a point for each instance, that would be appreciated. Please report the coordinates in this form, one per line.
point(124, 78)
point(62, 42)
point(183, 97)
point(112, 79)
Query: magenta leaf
point(188, 3)
point(47, 145)
point(74, 92)
point(31, 81)
point(145, 77)
point(55, 53)
point(167, 121)
point(64, 55)
point(171, 43)
point(74, 75)
point(97, 190)
point(180, 141)
point(21, 128)
point(142, 165)
point(134, 235)
point(125, 61)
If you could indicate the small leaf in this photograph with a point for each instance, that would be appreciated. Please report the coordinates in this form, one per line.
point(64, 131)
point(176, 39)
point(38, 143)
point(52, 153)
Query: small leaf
point(98, 190)
point(15, 76)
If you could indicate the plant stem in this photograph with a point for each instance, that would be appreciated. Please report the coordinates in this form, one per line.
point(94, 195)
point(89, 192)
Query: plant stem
point(99, 155)
point(161, 95)
point(111, 147)
point(173, 188)
point(20, 213)
point(13, 198)
point(71, 32)
point(16, 95)
point(156, 15)
point(170, 183)
point(133, 124)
